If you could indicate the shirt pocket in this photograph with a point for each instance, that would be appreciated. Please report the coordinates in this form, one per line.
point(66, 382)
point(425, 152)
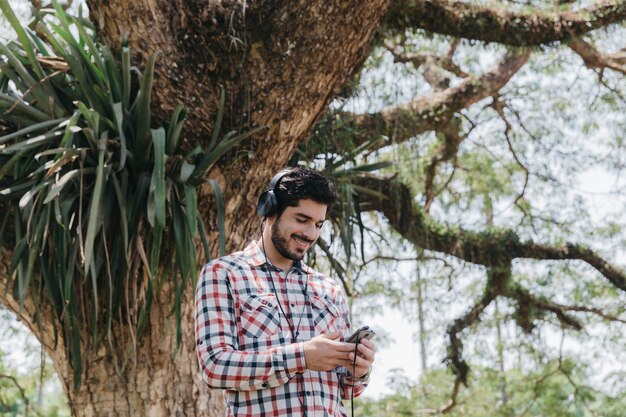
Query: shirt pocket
point(259, 315)
point(325, 315)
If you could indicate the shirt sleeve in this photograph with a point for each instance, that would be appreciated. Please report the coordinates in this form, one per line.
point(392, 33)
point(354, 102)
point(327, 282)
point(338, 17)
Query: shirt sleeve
point(222, 364)
point(347, 381)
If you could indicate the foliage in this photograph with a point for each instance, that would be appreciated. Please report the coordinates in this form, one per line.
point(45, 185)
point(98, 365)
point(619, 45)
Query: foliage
point(28, 387)
point(556, 390)
point(104, 205)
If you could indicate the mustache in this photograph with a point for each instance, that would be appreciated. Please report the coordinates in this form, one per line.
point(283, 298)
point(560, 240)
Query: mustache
point(304, 238)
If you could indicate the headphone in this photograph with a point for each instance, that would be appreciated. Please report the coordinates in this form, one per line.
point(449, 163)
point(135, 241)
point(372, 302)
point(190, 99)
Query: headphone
point(268, 203)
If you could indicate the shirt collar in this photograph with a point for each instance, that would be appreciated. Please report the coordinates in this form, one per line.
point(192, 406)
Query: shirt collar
point(256, 257)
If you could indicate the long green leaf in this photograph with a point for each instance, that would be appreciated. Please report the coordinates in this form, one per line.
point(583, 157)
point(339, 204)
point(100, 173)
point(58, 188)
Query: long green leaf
point(218, 121)
point(211, 157)
point(17, 106)
point(363, 168)
point(58, 186)
point(36, 87)
point(10, 193)
point(125, 74)
point(7, 11)
point(8, 166)
point(205, 241)
point(118, 111)
point(191, 208)
point(220, 216)
point(174, 129)
point(94, 213)
point(31, 143)
point(142, 110)
point(32, 128)
point(158, 176)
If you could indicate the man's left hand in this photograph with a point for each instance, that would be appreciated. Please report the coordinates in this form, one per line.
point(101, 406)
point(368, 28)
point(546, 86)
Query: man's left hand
point(366, 353)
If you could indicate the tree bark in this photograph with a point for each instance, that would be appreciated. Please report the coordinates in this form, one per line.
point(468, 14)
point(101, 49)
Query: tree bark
point(158, 380)
point(497, 24)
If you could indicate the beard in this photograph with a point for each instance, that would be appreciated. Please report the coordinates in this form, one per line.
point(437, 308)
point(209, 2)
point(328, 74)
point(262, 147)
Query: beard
point(282, 244)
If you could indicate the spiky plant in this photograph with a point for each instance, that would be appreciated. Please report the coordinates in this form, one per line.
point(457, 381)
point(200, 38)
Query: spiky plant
point(348, 234)
point(98, 198)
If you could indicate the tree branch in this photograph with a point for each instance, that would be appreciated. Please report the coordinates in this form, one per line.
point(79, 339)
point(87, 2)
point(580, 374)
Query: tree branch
point(491, 248)
point(496, 278)
point(21, 390)
point(496, 24)
point(594, 59)
point(336, 265)
point(426, 58)
point(402, 122)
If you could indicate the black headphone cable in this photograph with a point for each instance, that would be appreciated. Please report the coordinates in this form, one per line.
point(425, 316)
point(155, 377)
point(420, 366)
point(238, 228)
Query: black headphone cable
point(356, 345)
point(294, 336)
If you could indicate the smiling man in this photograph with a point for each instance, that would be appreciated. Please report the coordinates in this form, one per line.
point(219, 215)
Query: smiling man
point(269, 329)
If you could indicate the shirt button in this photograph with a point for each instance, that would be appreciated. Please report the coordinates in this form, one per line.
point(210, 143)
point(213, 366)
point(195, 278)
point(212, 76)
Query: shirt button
point(293, 305)
point(308, 393)
point(265, 385)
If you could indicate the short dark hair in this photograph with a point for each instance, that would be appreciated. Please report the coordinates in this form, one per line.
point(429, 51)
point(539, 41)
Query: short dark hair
point(304, 183)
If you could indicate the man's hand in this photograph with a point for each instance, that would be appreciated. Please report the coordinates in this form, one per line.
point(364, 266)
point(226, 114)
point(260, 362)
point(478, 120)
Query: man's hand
point(325, 352)
point(364, 359)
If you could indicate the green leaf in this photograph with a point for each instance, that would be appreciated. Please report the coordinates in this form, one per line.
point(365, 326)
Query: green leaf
point(191, 209)
point(174, 129)
point(58, 186)
point(212, 157)
point(31, 143)
point(119, 118)
point(218, 121)
point(185, 171)
point(28, 196)
point(363, 168)
point(4, 169)
point(18, 107)
point(95, 211)
point(32, 128)
point(158, 175)
point(205, 242)
point(125, 74)
point(142, 110)
point(29, 48)
point(10, 193)
point(220, 216)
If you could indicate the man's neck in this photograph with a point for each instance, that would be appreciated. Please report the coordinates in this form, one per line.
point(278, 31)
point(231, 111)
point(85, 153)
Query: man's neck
point(273, 255)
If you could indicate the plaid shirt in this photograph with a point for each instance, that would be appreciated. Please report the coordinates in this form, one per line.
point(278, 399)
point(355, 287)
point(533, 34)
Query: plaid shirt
point(245, 345)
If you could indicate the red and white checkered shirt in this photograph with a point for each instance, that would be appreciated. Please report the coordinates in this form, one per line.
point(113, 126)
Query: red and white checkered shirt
point(245, 345)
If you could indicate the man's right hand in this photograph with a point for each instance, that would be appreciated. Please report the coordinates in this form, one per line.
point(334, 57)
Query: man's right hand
point(325, 352)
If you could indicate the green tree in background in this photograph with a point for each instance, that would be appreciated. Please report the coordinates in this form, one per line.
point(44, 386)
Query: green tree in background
point(26, 388)
point(456, 132)
point(556, 391)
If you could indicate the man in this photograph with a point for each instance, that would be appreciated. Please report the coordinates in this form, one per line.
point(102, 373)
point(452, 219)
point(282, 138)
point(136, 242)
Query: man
point(269, 328)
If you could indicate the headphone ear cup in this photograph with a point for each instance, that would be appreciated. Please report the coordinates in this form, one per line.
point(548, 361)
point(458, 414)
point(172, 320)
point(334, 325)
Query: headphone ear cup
point(267, 205)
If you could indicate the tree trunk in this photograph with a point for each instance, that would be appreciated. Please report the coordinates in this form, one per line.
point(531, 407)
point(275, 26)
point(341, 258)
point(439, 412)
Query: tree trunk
point(162, 381)
point(158, 380)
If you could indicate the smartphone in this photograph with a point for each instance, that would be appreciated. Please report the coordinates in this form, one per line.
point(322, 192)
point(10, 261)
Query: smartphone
point(363, 333)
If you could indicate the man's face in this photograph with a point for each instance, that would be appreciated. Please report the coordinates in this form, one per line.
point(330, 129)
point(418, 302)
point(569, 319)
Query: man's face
point(297, 228)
